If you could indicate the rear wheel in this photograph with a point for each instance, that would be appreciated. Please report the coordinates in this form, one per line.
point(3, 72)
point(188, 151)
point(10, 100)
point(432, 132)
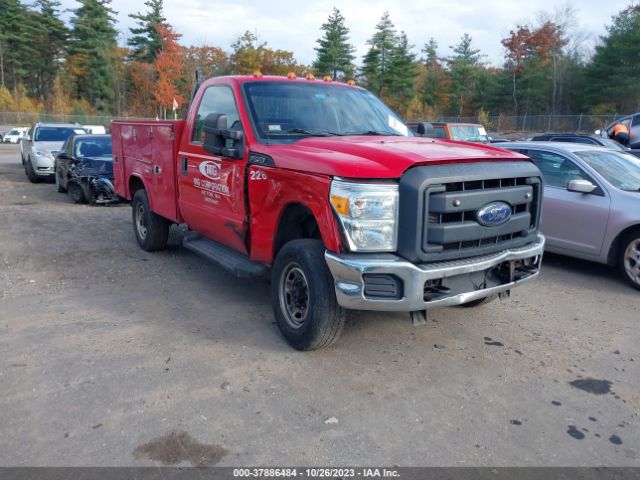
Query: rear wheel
point(479, 302)
point(31, 174)
point(151, 230)
point(629, 259)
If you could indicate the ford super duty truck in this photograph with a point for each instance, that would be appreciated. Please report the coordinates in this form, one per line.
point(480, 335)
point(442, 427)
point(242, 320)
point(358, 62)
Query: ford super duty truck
point(319, 186)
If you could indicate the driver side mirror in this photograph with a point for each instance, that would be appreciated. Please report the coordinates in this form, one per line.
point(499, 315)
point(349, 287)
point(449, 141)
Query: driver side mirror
point(220, 140)
point(581, 186)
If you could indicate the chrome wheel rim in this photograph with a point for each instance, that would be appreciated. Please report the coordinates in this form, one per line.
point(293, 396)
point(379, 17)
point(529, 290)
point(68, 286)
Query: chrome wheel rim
point(632, 261)
point(294, 295)
point(141, 221)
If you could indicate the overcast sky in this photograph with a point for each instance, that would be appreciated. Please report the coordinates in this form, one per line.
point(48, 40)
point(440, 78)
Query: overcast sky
point(295, 24)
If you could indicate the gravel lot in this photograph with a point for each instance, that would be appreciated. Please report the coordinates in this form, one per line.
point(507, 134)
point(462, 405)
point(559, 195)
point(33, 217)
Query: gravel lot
point(113, 356)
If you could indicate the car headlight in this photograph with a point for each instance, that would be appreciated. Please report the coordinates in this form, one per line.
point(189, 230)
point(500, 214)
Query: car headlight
point(43, 153)
point(368, 213)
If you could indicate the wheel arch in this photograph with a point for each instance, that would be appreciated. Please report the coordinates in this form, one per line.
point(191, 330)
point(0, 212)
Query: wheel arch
point(296, 221)
point(614, 250)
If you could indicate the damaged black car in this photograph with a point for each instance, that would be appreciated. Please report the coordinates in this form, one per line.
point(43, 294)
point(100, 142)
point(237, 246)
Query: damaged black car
point(84, 169)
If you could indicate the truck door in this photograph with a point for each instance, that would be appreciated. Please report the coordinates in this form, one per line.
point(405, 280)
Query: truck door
point(211, 187)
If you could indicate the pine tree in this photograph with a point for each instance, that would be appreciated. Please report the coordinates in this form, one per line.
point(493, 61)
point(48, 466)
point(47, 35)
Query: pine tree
point(92, 52)
point(145, 41)
point(50, 43)
point(334, 55)
point(433, 90)
point(463, 66)
point(403, 73)
point(17, 48)
point(377, 61)
point(613, 74)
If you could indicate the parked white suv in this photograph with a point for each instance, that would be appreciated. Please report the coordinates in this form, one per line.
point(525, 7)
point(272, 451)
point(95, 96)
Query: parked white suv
point(14, 135)
point(40, 146)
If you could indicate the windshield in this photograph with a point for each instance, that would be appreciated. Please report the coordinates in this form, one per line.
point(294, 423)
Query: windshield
point(619, 169)
point(56, 134)
point(468, 133)
point(93, 147)
point(286, 112)
point(612, 145)
point(14, 132)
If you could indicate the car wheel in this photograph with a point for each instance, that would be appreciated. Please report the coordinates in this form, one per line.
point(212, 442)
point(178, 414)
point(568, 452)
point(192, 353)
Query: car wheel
point(31, 174)
point(303, 296)
point(479, 302)
point(629, 260)
point(59, 187)
point(151, 230)
point(76, 193)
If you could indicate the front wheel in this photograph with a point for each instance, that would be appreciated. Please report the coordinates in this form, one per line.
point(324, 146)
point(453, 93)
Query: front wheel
point(303, 296)
point(31, 174)
point(59, 187)
point(629, 260)
point(151, 230)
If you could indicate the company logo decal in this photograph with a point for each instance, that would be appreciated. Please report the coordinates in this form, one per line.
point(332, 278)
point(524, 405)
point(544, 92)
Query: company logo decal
point(494, 214)
point(210, 169)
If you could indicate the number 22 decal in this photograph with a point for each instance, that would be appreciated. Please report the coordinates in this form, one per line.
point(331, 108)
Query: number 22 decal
point(257, 175)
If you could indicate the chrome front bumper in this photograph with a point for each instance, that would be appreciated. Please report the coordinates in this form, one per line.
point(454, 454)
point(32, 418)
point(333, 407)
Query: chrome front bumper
point(348, 271)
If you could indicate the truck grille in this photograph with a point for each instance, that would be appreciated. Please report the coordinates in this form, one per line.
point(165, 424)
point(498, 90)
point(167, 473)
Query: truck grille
point(448, 225)
point(456, 228)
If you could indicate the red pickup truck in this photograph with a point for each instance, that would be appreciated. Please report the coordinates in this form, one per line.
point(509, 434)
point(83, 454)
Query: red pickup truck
point(318, 186)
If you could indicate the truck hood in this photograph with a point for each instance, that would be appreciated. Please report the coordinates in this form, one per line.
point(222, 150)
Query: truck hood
point(377, 157)
point(48, 146)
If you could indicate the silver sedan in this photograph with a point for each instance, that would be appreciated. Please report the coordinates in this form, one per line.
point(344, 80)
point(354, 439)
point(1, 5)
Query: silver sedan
point(591, 205)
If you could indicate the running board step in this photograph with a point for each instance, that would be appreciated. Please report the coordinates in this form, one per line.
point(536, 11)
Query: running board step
point(229, 259)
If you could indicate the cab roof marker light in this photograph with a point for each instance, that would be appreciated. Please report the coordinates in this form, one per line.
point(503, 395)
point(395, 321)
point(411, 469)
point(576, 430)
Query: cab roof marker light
point(291, 75)
point(310, 76)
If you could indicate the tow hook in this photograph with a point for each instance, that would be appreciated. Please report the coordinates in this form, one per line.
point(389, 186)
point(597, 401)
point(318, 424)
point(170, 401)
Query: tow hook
point(419, 317)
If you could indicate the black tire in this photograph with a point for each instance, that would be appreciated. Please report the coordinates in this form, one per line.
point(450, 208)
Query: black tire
point(303, 296)
point(151, 230)
point(76, 192)
point(479, 302)
point(59, 187)
point(629, 258)
point(31, 174)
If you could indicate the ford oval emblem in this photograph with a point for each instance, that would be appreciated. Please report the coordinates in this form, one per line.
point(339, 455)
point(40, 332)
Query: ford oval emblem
point(494, 214)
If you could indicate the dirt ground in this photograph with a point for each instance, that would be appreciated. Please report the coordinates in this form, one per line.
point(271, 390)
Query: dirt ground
point(111, 356)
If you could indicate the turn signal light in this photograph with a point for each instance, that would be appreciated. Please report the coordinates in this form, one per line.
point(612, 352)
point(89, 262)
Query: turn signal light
point(341, 204)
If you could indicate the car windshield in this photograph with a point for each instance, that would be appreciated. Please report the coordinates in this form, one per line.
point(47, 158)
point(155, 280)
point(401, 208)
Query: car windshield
point(14, 132)
point(287, 112)
point(93, 147)
point(55, 134)
point(619, 169)
point(611, 144)
point(468, 133)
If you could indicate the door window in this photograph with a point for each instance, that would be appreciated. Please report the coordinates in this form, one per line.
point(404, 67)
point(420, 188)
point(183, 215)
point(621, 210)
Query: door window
point(557, 170)
point(216, 99)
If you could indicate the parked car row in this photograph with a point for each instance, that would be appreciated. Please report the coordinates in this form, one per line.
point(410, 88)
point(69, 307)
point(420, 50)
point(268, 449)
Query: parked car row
point(79, 162)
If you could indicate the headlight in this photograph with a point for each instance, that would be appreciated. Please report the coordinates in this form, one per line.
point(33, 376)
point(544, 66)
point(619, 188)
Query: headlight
point(43, 153)
point(368, 213)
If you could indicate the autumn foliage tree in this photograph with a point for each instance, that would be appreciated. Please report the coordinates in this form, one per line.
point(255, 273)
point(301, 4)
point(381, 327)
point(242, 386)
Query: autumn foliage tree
point(169, 67)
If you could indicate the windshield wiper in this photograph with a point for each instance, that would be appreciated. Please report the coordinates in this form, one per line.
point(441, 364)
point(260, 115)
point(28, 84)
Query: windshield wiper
point(312, 133)
point(374, 132)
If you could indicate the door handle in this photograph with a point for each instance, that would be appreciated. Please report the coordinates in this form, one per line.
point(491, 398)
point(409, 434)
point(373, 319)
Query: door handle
point(185, 162)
